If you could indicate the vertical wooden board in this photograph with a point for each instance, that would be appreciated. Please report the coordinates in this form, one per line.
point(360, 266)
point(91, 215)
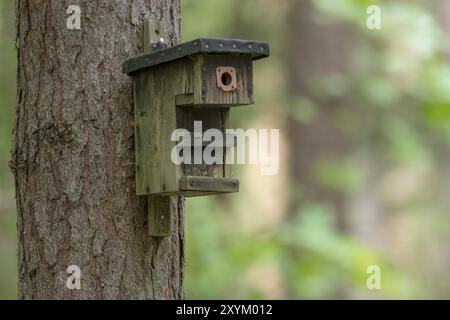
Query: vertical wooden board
point(159, 208)
point(143, 127)
point(183, 85)
point(153, 30)
point(155, 116)
point(171, 79)
point(227, 173)
point(159, 218)
point(137, 144)
point(153, 140)
point(168, 125)
point(206, 90)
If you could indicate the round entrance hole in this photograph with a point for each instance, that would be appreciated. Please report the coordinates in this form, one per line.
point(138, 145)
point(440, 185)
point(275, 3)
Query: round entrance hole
point(226, 78)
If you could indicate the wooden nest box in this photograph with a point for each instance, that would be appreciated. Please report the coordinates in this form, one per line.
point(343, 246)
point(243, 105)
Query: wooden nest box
point(175, 87)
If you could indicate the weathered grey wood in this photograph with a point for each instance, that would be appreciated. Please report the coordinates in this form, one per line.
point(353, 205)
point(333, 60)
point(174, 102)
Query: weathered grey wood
point(159, 208)
point(227, 167)
point(165, 99)
point(155, 112)
point(154, 31)
point(209, 184)
point(73, 156)
point(206, 91)
point(254, 49)
point(159, 217)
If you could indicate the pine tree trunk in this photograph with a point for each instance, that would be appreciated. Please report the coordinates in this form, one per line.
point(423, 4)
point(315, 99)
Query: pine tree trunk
point(73, 155)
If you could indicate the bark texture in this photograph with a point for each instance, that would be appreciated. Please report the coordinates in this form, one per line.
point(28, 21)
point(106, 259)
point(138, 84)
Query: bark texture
point(73, 155)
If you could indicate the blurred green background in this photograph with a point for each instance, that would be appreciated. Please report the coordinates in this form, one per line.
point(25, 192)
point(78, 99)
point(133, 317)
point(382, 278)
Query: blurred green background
point(364, 118)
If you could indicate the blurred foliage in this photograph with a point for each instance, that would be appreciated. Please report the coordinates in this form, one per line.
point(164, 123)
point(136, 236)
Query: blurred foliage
point(399, 83)
point(251, 246)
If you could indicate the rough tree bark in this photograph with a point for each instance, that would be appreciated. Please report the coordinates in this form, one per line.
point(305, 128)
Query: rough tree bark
point(73, 155)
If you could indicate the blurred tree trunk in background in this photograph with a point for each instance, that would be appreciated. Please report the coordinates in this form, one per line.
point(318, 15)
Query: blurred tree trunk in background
point(314, 52)
point(73, 156)
point(322, 50)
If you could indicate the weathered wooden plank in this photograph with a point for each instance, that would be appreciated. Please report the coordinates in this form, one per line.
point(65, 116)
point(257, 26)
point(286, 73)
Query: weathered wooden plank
point(159, 218)
point(184, 100)
point(155, 117)
point(209, 184)
point(227, 167)
point(206, 90)
point(151, 144)
point(145, 130)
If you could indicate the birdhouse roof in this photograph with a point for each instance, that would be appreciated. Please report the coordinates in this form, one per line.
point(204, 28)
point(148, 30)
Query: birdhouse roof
point(255, 49)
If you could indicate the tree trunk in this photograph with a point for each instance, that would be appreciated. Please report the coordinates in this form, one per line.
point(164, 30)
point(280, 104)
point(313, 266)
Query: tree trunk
point(73, 155)
point(317, 51)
